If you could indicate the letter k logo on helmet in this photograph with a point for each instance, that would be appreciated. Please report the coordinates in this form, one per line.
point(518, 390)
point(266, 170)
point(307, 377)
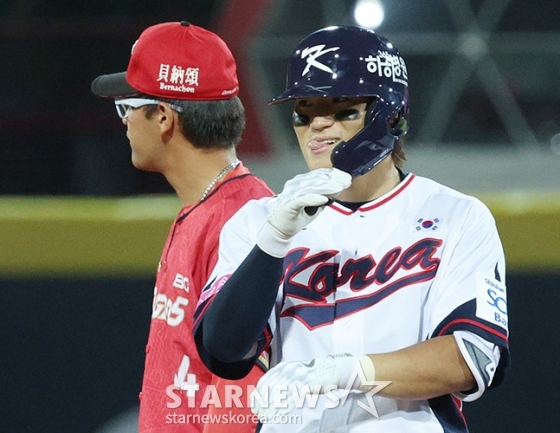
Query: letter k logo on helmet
point(312, 53)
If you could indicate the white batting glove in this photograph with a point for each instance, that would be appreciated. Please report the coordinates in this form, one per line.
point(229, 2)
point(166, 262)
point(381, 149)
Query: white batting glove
point(325, 181)
point(280, 390)
point(300, 202)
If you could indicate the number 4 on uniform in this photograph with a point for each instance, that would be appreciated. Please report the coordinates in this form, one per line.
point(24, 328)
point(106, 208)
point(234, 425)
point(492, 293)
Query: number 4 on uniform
point(185, 380)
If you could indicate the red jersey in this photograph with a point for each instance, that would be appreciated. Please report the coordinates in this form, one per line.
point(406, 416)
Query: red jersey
point(175, 379)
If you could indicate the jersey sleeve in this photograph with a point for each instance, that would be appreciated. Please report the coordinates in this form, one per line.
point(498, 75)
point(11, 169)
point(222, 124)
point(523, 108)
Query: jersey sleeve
point(469, 291)
point(237, 241)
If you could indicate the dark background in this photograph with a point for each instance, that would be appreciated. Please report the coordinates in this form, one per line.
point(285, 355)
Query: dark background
point(71, 362)
point(56, 137)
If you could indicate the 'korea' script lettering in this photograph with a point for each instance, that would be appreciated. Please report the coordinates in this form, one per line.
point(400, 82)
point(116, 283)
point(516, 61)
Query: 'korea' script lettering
point(324, 277)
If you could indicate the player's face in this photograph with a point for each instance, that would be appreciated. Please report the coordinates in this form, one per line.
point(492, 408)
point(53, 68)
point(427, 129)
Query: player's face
point(321, 123)
point(144, 137)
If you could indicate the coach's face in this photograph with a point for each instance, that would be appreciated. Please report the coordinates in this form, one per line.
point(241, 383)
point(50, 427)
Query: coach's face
point(321, 123)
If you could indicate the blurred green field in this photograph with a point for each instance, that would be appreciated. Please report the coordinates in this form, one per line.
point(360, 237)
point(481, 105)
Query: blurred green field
point(52, 236)
point(58, 237)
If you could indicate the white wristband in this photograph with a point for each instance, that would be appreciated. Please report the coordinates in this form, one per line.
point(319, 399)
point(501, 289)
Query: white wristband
point(352, 369)
point(368, 369)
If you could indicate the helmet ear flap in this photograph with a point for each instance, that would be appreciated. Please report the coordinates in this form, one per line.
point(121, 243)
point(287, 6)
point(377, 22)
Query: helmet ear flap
point(401, 127)
point(371, 111)
point(374, 142)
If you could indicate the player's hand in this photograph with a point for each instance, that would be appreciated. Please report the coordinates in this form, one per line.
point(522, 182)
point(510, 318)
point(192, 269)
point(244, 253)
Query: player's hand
point(300, 202)
point(287, 384)
point(326, 181)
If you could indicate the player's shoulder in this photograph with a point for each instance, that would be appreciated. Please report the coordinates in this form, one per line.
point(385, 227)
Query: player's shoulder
point(237, 190)
point(440, 194)
point(436, 189)
point(253, 211)
point(258, 205)
point(255, 182)
point(245, 183)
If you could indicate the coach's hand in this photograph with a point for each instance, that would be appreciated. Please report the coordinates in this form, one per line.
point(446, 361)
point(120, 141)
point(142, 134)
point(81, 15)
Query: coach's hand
point(286, 384)
point(300, 202)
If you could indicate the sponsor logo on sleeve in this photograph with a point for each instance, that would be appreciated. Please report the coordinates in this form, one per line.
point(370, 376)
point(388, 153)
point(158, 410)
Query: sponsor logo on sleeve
point(491, 300)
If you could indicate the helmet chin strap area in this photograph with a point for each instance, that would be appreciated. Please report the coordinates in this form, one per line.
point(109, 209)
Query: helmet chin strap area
point(373, 143)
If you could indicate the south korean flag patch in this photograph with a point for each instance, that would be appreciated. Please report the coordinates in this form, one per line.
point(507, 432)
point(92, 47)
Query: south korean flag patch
point(425, 224)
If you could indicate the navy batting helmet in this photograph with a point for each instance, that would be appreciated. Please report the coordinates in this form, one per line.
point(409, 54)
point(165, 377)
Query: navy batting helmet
point(346, 61)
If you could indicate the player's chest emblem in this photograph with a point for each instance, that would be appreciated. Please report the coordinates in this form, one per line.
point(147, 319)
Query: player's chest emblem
point(314, 278)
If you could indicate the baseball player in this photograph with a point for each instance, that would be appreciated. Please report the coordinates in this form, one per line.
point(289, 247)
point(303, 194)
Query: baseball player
point(379, 294)
point(178, 100)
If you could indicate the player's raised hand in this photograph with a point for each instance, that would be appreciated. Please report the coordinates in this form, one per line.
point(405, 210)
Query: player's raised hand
point(325, 181)
point(300, 202)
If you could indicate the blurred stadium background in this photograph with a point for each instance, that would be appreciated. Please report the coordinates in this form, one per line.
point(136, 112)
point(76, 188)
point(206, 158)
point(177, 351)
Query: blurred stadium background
point(81, 230)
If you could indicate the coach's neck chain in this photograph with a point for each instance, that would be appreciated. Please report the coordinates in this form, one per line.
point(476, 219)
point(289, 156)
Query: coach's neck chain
point(221, 174)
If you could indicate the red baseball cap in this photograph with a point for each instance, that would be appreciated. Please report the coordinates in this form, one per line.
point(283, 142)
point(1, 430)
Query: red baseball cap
point(175, 60)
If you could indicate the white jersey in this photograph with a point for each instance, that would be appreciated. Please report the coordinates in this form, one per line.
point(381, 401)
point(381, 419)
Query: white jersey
point(421, 261)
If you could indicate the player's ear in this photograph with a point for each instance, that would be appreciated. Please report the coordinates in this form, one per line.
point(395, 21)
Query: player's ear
point(166, 118)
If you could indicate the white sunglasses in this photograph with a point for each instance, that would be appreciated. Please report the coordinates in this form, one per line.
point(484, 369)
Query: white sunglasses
point(125, 106)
